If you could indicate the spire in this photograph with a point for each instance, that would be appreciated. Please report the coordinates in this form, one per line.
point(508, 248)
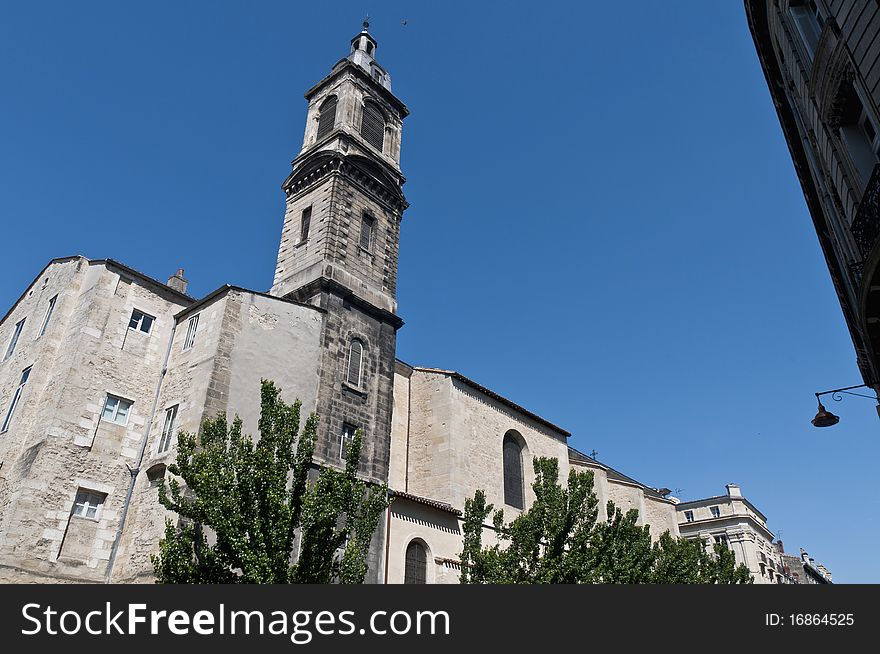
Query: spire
point(363, 53)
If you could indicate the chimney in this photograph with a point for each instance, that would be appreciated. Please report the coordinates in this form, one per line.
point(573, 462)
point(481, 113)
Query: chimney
point(804, 556)
point(779, 546)
point(733, 490)
point(177, 282)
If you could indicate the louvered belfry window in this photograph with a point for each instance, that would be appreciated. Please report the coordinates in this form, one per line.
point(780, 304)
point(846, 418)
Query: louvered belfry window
point(416, 569)
point(327, 117)
point(355, 355)
point(373, 126)
point(513, 472)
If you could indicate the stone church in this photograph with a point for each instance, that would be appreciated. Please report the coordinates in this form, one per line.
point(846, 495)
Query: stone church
point(102, 366)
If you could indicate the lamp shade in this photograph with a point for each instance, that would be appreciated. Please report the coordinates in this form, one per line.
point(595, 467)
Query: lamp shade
point(824, 418)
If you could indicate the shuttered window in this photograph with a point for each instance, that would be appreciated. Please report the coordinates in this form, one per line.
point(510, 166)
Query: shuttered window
point(355, 356)
point(416, 569)
point(367, 223)
point(305, 224)
point(327, 117)
point(513, 472)
point(373, 126)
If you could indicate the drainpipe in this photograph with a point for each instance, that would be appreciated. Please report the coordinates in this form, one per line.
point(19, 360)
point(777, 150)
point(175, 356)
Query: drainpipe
point(387, 538)
point(133, 472)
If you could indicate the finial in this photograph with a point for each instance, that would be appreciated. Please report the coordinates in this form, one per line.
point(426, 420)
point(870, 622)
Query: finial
point(367, 23)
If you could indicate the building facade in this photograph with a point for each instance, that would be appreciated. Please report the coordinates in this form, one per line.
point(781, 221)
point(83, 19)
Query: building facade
point(821, 59)
point(103, 366)
point(733, 521)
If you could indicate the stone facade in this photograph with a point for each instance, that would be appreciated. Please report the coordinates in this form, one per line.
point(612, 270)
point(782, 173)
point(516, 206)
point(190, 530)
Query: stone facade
point(446, 442)
point(735, 522)
point(822, 64)
point(103, 366)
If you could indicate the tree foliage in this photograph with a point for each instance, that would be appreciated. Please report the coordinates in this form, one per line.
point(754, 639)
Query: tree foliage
point(241, 504)
point(559, 540)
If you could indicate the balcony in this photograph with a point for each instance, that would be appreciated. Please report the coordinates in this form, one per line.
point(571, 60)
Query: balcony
point(866, 226)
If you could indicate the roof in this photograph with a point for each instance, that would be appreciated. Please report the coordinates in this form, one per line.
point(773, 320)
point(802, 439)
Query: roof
point(435, 504)
point(495, 396)
point(579, 457)
point(112, 262)
point(229, 287)
point(717, 499)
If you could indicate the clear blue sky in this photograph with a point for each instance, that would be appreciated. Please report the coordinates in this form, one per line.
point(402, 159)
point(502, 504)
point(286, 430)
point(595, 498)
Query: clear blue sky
point(605, 224)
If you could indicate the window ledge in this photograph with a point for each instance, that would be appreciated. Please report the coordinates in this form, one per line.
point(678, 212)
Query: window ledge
point(301, 243)
point(355, 390)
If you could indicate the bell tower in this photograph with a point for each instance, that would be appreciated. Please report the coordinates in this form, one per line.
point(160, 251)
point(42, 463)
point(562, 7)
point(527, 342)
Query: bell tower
point(339, 244)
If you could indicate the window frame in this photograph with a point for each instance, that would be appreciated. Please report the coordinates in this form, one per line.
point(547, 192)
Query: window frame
point(411, 575)
point(139, 324)
point(346, 436)
point(368, 228)
point(192, 328)
point(16, 398)
point(49, 311)
point(16, 335)
point(115, 414)
point(358, 382)
point(87, 505)
point(513, 491)
point(305, 224)
point(689, 516)
point(715, 511)
point(168, 429)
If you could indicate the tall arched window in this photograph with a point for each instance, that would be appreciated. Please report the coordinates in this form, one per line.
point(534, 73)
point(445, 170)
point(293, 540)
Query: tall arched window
point(327, 116)
point(513, 471)
point(373, 126)
point(355, 359)
point(416, 568)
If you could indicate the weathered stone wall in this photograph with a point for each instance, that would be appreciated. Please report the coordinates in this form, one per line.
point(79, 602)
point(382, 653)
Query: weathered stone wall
point(59, 443)
point(243, 337)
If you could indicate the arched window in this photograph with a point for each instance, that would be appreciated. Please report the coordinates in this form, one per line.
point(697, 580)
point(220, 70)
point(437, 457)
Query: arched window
point(373, 126)
point(416, 569)
point(513, 471)
point(327, 116)
point(355, 359)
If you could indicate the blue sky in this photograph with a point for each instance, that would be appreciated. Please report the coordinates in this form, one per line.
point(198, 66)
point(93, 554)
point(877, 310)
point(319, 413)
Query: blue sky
point(605, 223)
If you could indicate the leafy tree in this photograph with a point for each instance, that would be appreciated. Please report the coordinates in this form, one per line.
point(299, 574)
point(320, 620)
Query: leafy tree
point(242, 502)
point(560, 540)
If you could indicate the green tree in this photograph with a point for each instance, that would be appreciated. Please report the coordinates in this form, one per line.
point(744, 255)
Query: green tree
point(241, 503)
point(560, 540)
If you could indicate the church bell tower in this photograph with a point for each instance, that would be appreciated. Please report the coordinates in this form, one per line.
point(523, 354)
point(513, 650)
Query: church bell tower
point(339, 242)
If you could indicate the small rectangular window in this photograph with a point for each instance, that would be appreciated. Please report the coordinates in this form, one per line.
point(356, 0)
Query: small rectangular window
point(305, 224)
point(191, 329)
point(141, 321)
point(716, 512)
point(809, 21)
point(116, 410)
point(367, 231)
point(88, 504)
point(12, 343)
point(168, 429)
point(689, 516)
point(346, 438)
point(49, 311)
point(15, 398)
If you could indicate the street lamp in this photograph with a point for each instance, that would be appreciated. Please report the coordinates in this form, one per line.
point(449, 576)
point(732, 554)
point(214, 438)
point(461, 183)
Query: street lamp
point(824, 418)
